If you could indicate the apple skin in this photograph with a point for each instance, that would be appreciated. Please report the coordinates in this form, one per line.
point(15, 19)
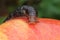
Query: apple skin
point(20, 29)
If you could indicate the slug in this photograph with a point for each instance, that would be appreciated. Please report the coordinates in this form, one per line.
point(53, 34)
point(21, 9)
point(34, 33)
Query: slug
point(25, 10)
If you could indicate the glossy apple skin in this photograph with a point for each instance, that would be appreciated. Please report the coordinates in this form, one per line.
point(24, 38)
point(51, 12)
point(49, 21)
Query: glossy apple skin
point(20, 29)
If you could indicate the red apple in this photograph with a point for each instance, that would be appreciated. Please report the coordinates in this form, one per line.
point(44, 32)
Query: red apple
point(20, 29)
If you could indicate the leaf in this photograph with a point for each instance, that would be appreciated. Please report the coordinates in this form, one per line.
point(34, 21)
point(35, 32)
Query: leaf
point(2, 19)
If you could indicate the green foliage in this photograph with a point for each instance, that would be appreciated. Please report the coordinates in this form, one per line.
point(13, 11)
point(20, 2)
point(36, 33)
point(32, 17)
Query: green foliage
point(50, 8)
point(21, 2)
point(2, 19)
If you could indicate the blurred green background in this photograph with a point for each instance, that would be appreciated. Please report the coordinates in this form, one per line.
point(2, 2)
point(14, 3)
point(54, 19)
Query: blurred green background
point(45, 8)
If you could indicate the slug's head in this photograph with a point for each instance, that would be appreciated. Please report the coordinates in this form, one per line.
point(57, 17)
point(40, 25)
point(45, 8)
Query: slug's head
point(29, 12)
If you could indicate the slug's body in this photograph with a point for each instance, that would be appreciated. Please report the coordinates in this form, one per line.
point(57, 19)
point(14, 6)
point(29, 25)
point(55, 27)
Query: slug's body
point(24, 10)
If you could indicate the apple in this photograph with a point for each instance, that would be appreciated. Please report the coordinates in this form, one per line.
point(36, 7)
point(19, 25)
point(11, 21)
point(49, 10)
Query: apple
point(20, 29)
